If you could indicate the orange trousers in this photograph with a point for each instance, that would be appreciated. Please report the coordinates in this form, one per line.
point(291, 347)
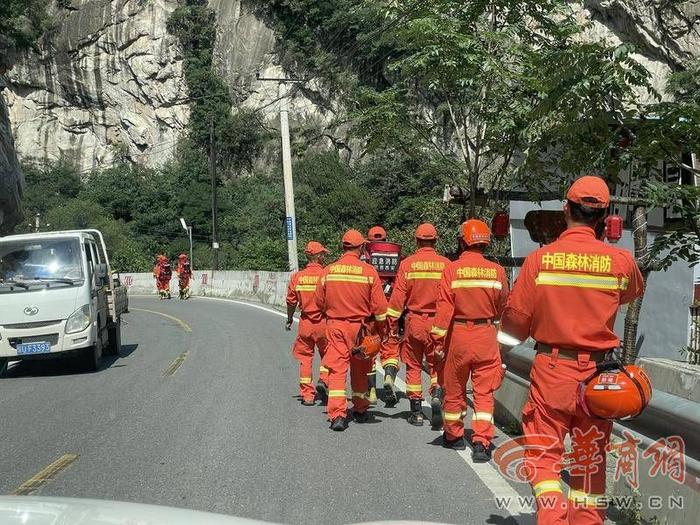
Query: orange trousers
point(389, 352)
point(473, 352)
point(341, 336)
point(311, 335)
point(550, 413)
point(416, 346)
point(163, 285)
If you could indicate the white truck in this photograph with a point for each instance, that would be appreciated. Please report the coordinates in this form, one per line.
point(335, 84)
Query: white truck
point(59, 298)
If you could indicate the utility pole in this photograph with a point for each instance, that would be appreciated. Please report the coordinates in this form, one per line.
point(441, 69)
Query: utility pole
point(290, 219)
point(214, 205)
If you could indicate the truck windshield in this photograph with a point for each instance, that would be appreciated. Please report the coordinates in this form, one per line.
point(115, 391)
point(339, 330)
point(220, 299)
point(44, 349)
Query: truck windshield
point(36, 259)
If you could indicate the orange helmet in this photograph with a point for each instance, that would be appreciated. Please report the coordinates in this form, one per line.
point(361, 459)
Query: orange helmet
point(376, 233)
point(476, 232)
point(615, 391)
point(368, 347)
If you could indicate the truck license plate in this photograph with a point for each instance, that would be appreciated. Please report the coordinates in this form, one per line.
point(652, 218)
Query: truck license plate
point(33, 348)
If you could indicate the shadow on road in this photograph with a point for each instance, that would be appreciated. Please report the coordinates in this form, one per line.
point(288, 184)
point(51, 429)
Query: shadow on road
point(65, 366)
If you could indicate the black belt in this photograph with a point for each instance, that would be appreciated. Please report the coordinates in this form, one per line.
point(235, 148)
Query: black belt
point(571, 354)
point(473, 321)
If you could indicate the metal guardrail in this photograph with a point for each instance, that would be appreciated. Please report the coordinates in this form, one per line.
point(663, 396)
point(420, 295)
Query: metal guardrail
point(665, 416)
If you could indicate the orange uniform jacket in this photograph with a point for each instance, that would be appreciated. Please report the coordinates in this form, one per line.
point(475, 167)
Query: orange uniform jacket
point(471, 288)
point(302, 290)
point(417, 283)
point(568, 292)
point(351, 289)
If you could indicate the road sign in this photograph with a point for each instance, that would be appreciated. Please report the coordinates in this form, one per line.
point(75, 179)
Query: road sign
point(290, 229)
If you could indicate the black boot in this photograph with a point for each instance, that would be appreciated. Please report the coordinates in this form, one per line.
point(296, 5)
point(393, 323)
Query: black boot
point(436, 407)
point(416, 417)
point(481, 454)
point(454, 444)
point(390, 397)
point(339, 424)
point(372, 388)
point(322, 392)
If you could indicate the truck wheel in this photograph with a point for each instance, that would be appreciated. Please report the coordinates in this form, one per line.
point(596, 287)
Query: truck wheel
point(91, 358)
point(114, 332)
point(3, 366)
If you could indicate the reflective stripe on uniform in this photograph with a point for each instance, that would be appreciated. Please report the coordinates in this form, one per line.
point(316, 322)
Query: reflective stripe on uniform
point(580, 280)
point(323, 369)
point(305, 380)
point(390, 362)
point(340, 278)
point(393, 313)
point(380, 317)
point(424, 275)
point(585, 499)
point(548, 485)
point(438, 331)
point(433, 380)
point(305, 288)
point(336, 393)
point(482, 416)
point(414, 388)
point(476, 283)
point(452, 416)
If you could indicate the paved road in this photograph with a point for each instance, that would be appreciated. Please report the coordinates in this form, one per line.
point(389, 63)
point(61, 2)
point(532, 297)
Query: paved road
point(226, 433)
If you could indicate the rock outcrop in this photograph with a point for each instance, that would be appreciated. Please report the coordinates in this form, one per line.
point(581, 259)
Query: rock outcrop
point(11, 179)
point(107, 80)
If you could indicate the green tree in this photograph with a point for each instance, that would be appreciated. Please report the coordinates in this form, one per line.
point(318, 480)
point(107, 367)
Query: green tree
point(22, 22)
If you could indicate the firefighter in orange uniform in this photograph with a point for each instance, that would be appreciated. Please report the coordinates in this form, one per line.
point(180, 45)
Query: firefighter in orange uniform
point(184, 274)
point(162, 274)
point(350, 295)
point(473, 293)
point(566, 298)
point(389, 353)
point(416, 290)
point(312, 324)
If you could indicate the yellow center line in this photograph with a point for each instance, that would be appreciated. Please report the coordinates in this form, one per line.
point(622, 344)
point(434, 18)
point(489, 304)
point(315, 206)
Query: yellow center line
point(176, 364)
point(45, 475)
point(182, 323)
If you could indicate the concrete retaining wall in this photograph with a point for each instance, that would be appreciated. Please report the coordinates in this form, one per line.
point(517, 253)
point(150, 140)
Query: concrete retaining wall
point(263, 287)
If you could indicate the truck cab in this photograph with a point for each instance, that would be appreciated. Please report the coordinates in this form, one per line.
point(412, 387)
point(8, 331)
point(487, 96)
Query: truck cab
point(58, 298)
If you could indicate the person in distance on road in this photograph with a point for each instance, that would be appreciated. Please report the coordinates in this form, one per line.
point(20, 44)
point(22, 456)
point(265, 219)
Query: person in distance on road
point(162, 273)
point(312, 324)
point(350, 295)
point(184, 274)
point(566, 298)
point(416, 290)
point(473, 293)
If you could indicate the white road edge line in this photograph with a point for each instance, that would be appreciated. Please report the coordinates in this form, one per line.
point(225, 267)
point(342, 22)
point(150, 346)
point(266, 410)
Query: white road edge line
point(497, 484)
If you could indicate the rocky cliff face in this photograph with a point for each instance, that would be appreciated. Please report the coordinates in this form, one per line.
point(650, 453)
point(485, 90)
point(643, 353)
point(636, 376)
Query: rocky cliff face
point(666, 34)
point(108, 80)
point(11, 179)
